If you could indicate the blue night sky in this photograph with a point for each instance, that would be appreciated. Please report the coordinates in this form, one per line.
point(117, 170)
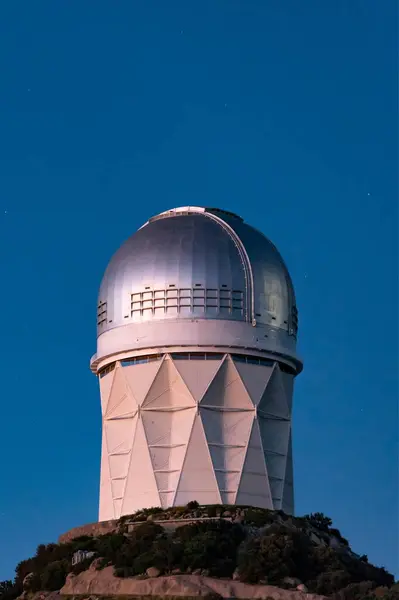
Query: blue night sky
point(284, 111)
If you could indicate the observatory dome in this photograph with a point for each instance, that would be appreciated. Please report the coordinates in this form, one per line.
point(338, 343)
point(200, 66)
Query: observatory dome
point(196, 265)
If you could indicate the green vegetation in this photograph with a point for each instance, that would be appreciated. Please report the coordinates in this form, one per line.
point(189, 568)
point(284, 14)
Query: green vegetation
point(252, 544)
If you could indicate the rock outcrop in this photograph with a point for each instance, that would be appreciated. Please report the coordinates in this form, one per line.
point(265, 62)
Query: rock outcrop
point(104, 583)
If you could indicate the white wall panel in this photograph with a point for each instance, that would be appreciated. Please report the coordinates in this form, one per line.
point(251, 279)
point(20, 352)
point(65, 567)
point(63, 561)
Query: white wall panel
point(197, 375)
point(197, 476)
point(273, 401)
point(227, 390)
point(255, 379)
point(140, 377)
point(105, 389)
point(168, 389)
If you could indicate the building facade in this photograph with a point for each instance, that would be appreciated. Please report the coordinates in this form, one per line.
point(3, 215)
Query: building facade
point(196, 359)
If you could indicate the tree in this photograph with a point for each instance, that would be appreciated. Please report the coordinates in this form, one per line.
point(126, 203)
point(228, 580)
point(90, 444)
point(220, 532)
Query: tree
point(319, 520)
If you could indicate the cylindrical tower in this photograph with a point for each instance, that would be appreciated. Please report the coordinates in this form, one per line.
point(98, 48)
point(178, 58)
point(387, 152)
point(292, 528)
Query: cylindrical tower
point(196, 359)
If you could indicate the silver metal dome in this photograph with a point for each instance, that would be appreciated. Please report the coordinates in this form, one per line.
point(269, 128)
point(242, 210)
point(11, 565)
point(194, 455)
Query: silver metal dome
point(197, 263)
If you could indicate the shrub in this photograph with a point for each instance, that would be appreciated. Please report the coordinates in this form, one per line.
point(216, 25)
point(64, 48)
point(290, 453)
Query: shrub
point(363, 571)
point(364, 558)
point(259, 517)
point(54, 575)
point(147, 532)
point(9, 590)
point(154, 510)
point(210, 545)
point(338, 535)
point(109, 545)
point(319, 520)
point(331, 581)
point(355, 591)
point(82, 566)
point(274, 554)
point(282, 551)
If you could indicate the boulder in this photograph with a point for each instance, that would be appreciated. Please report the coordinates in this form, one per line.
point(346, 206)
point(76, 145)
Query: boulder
point(292, 582)
point(316, 539)
point(153, 572)
point(238, 519)
point(96, 563)
point(27, 581)
point(335, 544)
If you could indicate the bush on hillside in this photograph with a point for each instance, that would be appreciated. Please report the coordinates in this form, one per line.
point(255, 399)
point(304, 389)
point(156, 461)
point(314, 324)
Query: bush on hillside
point(319, 520)
point(280, 552)
point(9, 590)
point(210, 545)
point(259, 517)
point(54, 575)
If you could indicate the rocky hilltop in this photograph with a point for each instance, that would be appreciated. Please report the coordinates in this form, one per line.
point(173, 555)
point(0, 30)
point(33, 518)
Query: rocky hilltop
point(209, 551)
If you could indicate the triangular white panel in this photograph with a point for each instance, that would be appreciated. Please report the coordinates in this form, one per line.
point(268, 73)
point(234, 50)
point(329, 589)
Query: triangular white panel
point(168, 390)
point(166, 499)
point(227, 458)
point(288, 385)
point(118, 486)
point(275, 435)
point(254, 486)
point(106, 510)
point(255, 379)
point(120, 434)
point(126, 408)
point(276, 488)
point(289, 471)
point(167, 480)
point(197, 374)
point(274, 401)
point(197, 480)
point(231, 428)
point(275, 465)
point(139, 378)
point(227, 391)
point(119, 465)
point(120, 400)
point(228, 480)
point(118, 507)
point(141, 488)
point(168, 427)
point(105, 388)
point(167, 458)
point(287, 504)
point(288, 490)
point(228, 497)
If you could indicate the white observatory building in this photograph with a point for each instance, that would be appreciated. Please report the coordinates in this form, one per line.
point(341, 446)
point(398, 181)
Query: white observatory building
point(196, 359)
